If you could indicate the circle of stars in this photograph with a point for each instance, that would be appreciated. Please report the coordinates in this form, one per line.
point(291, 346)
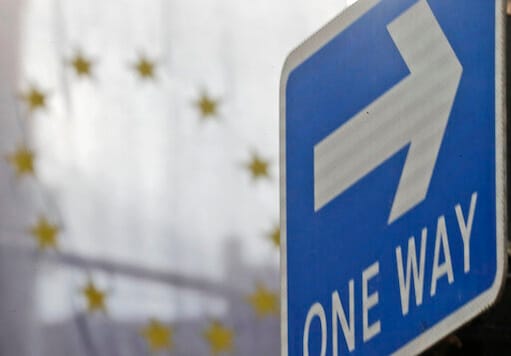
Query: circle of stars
point(158, 336)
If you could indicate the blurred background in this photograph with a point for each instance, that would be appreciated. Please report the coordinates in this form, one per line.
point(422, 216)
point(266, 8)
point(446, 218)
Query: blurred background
point(139, 174)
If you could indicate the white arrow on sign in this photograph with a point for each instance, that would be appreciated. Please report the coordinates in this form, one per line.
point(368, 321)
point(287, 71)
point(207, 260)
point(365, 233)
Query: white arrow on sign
point(415, 112)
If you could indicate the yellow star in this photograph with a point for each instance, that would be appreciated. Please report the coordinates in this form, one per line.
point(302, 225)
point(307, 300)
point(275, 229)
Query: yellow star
point(81, 65)
point(95, 298)
point(258, 167)
point(145, 68)
point(22, 160)
point(45, 233)
point(264, 302)
point(219, 337)
point(157, 336)
point(275, 236)
point(207, 106)
point(34, 98)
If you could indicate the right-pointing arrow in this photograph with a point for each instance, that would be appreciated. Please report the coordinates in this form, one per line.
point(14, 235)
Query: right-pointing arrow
point(414, 112)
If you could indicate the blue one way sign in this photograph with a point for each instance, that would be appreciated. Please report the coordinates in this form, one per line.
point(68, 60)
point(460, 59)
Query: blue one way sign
point(392, 176)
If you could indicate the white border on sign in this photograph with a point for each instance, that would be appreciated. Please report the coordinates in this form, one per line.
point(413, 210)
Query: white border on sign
point(488, 298)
